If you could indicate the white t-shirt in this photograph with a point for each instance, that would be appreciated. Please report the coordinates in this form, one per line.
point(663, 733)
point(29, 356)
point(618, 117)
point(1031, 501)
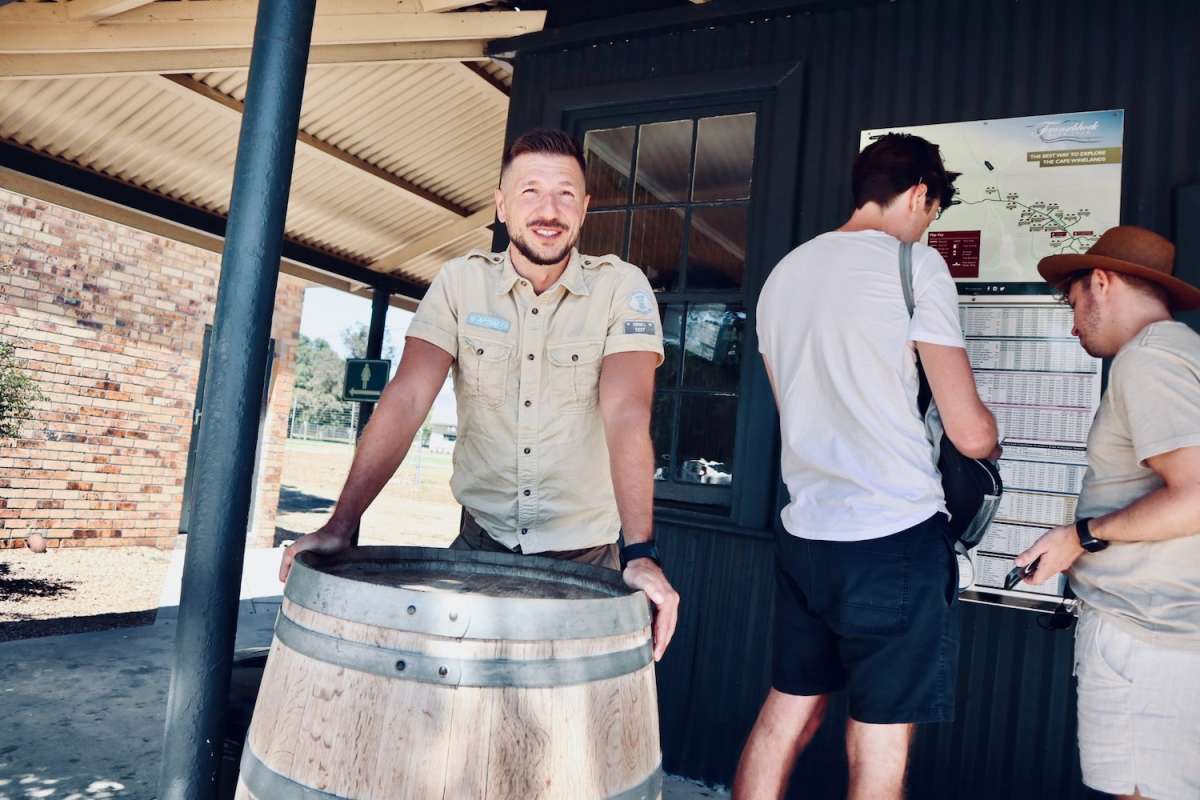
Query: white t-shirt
point(834, 329)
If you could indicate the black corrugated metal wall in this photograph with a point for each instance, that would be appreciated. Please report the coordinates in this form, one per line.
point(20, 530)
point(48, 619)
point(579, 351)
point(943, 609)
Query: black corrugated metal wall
point(871, 65)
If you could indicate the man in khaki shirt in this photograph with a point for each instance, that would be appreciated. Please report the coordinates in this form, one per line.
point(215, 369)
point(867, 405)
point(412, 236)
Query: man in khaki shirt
point(1133, 554)
point(553, 357)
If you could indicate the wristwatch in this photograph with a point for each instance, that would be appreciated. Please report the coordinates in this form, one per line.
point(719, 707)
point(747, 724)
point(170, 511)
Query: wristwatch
point(1086, 540)
point(645, 549)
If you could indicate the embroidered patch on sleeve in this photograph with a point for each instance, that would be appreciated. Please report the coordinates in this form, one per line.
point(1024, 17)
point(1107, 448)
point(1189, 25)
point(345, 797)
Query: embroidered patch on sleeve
point(640, 327)
point(641, 302)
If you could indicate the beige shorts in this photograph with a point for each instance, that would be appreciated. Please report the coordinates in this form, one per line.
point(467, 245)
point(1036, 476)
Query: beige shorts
point(1139, 712)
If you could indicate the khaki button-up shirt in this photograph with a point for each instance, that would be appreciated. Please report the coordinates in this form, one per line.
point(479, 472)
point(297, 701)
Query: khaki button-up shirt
point(530, 462)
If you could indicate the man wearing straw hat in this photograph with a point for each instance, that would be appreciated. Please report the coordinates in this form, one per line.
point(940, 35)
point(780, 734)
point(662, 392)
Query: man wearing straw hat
point(553, 357)
point(1133, 554)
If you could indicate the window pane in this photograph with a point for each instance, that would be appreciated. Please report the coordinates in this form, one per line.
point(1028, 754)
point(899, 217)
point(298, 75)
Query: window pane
point(706, 426)
point(664, 158)
point(609, 156)
point(667, 376)
point(713, 347)
point(662, 423)
point(603, 233)
point(724, 158)
point(656, 243)
point(717, 248)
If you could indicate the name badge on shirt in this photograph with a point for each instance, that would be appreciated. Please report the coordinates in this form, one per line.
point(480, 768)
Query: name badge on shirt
point(488, 321)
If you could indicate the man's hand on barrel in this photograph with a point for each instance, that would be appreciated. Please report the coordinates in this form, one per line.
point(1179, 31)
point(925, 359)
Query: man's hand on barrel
point(332, 537)
point(644, 574)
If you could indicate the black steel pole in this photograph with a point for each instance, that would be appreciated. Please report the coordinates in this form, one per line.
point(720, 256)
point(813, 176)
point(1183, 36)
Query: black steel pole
point(233, 393)
point(379, 307)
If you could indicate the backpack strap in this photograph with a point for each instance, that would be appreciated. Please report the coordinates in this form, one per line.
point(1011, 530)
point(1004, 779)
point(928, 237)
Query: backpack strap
point(906, 275)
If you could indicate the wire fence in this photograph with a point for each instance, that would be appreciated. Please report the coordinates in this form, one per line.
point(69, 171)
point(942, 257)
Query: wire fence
point(334, 425)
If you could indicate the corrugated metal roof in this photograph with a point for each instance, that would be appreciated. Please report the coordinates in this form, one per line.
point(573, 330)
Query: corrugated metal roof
point(389, 152)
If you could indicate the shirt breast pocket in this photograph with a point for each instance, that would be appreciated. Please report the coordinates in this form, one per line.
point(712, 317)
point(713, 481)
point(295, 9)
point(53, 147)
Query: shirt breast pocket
point(575, 374)
point(483, 367)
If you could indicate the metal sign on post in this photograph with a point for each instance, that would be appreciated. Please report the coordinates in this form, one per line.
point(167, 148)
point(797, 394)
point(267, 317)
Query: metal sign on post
point(365, 379)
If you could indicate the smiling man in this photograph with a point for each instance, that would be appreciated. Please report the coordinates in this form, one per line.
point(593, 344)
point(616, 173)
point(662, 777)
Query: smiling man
point(553, 356)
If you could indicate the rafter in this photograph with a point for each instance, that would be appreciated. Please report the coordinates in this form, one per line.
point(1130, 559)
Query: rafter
point(156, 62)
point(118, 35)
point(491, 80)
point(95, 10)
point(395, 259)
point(192, 88)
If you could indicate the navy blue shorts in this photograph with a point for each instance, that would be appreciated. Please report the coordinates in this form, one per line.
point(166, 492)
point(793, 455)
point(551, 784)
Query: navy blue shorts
point(878, 618)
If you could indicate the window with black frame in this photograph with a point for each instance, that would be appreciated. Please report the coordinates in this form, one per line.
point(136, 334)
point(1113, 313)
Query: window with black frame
point(674, 198)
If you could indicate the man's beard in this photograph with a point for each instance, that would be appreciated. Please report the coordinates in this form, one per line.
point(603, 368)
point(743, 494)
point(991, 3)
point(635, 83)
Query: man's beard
point(526, 250)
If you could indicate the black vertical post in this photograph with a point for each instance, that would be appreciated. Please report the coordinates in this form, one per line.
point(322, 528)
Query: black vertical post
point(233, 393)
point(1187, 243)
point(379, 307)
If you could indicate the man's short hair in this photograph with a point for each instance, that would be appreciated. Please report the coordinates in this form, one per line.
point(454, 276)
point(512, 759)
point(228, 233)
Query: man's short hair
point(894, 163)
point(1139, 285)
point(544, 140)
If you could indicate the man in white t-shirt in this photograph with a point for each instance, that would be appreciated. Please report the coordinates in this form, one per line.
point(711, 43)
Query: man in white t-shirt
point(866, 584)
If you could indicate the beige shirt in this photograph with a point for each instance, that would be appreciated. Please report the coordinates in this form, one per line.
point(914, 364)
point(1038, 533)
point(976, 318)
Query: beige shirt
point(531, 462)
point(1151, 407)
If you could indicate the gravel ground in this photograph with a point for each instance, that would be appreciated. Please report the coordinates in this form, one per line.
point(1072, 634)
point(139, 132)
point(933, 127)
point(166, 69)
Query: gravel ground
point(78, 589)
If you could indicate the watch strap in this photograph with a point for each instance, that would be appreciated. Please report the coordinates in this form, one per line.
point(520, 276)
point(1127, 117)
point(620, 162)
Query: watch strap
point(1088, 542)
point(639, 550)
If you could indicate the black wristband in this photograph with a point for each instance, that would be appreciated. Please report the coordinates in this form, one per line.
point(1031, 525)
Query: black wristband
point(1088, 542)
point(639, 550)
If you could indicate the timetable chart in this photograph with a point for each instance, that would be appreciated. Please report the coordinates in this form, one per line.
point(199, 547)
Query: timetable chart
point(1043, 389)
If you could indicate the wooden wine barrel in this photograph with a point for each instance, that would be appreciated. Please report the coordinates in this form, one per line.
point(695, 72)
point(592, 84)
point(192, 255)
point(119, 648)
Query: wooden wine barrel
point(406, 672)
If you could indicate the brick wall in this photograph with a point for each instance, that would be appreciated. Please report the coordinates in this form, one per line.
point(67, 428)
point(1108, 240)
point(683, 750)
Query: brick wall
point(109, 322)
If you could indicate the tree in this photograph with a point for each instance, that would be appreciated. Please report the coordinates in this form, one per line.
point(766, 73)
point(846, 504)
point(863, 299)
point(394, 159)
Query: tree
point(319, 375)
point(18, 393)
point(354, 338)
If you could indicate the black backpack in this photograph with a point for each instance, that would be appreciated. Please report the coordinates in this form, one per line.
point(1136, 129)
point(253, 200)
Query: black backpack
point(972, 485)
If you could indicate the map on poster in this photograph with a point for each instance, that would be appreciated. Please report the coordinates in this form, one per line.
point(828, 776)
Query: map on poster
point(1030, 187)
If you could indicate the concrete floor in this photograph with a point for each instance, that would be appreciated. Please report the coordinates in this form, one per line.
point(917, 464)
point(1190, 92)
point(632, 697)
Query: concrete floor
point(82, 715)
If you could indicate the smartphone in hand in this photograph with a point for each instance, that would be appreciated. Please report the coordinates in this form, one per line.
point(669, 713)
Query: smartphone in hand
point(1018, 574)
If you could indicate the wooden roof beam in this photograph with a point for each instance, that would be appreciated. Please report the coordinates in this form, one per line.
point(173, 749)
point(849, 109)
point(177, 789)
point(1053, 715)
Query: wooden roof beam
point(491, 80)
point(24, 66)
point(198, 89)
point(117, 35)
point(394, 260)
point(50, 192)
point(95, 10)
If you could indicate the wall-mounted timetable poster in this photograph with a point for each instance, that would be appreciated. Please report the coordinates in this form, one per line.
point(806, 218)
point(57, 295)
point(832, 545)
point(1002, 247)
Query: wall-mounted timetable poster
point(1043, 390)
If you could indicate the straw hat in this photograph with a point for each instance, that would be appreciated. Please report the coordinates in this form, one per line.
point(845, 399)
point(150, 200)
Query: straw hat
point(1129, 250)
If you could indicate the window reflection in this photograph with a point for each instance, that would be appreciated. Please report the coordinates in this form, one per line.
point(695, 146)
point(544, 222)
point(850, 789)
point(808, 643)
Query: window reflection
point(706, 433)
point(603, 233)
point(712, 348)
point(609, 154)
point(724, 158)
point(672, 322)
point(717, 248)
point(662, 419)
point(663, 161)
point(655, 245)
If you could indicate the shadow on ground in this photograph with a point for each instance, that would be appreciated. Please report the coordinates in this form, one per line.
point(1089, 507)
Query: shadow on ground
point(292, 500)
point(30, 628)
point(15, 588)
